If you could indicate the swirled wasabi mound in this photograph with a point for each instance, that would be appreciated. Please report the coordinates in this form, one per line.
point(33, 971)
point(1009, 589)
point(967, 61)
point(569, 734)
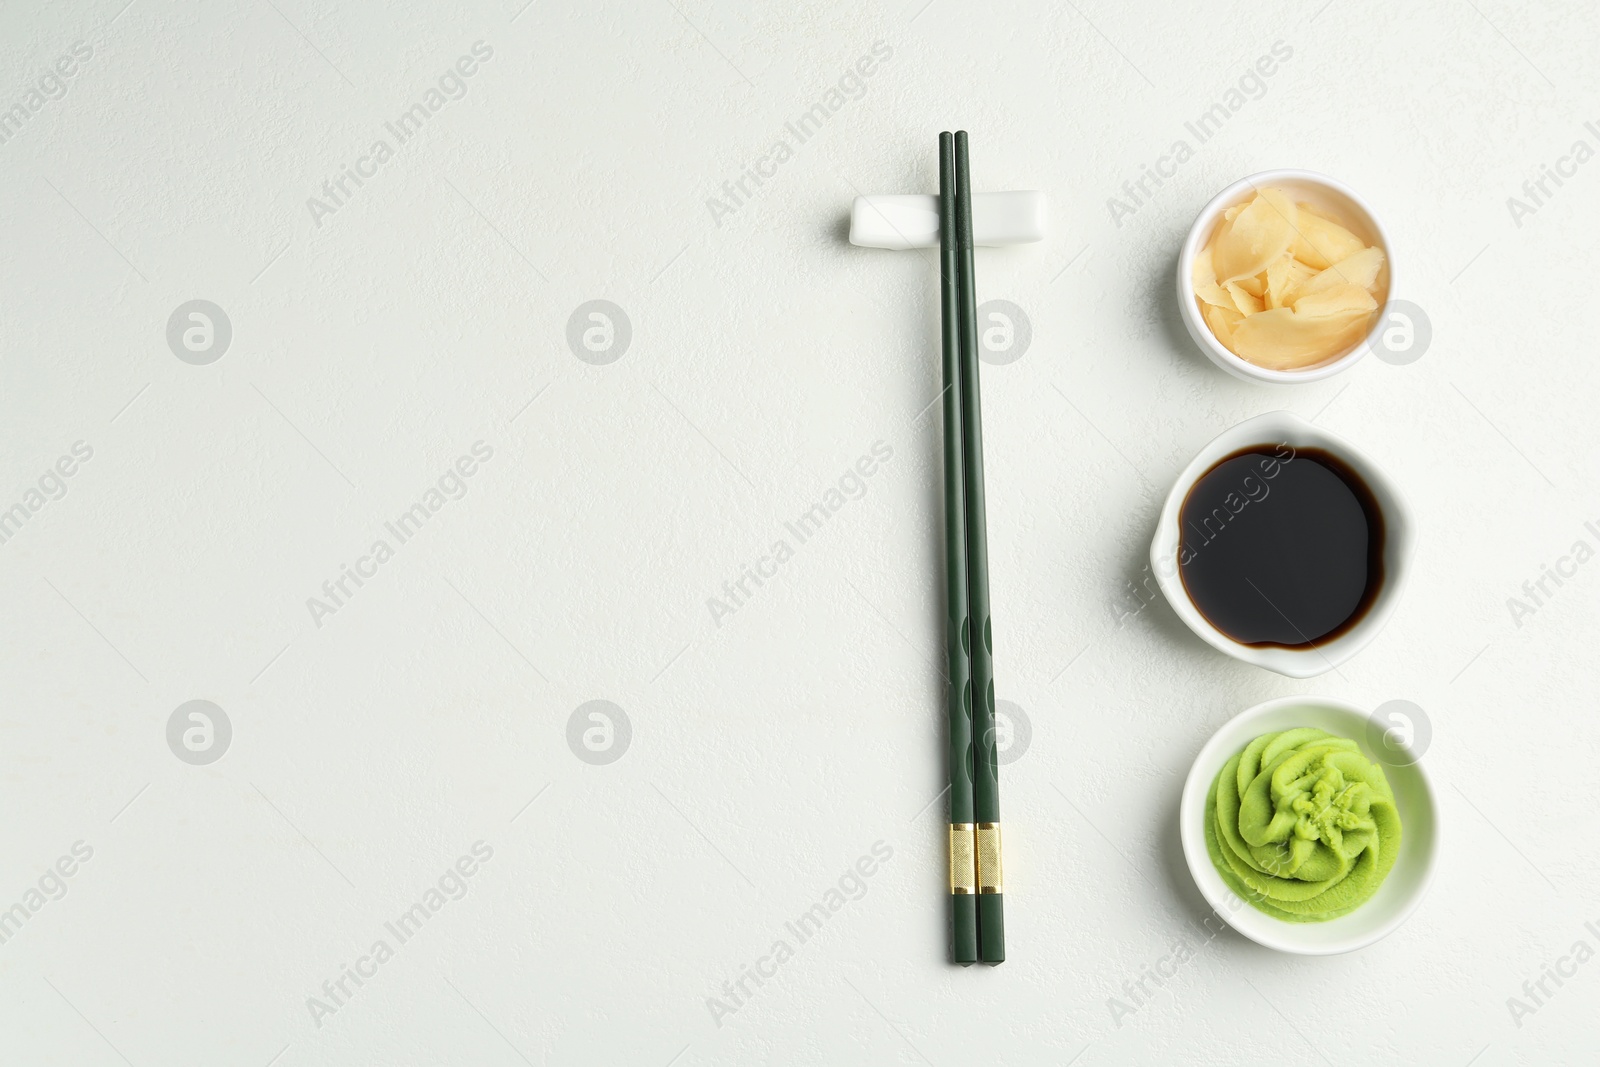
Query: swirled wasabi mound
point(1302, 825)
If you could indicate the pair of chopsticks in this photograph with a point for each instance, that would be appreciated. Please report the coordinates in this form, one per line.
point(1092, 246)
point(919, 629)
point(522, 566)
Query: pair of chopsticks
point(976, 882)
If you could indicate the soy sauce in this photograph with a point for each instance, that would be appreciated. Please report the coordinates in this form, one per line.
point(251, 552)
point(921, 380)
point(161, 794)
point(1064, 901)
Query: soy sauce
point(1281, 547)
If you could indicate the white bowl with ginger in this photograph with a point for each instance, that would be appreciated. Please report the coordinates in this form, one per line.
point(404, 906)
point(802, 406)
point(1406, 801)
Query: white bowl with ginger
point(1284, 277)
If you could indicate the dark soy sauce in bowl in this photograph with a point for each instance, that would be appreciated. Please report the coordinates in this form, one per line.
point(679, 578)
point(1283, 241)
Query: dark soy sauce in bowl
point(1281, 547)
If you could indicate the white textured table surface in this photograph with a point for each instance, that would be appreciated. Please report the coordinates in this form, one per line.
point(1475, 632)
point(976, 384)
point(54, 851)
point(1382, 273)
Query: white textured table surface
point(381, 733)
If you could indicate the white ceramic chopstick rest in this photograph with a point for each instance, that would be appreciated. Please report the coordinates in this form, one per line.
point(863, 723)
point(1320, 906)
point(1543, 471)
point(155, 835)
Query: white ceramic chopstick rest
point(911, 220)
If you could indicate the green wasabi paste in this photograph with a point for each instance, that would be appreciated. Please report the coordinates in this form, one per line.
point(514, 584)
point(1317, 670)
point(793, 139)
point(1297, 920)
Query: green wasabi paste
point(1302, 825)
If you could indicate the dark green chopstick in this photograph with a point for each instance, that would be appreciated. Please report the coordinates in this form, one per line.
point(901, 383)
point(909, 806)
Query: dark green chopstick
point(985, 771)
point(963, 869)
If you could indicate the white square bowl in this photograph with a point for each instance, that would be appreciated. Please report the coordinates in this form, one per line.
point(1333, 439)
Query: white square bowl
point(1274, 428)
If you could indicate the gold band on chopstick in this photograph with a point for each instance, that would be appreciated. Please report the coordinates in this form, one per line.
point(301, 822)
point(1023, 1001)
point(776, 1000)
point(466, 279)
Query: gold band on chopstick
point(963, 859)
point(990, 877)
